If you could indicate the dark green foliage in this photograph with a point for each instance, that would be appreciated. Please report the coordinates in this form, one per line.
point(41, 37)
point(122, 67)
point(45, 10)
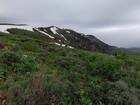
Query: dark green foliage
point(2, 44)
point(30, 46)
point(137, 66)
point(118, 94)
point(8, 58)
point(3, 73)
point(69, 63)
point(122, 56)
point(135, 81)
point(25, 67)
point(109, 69)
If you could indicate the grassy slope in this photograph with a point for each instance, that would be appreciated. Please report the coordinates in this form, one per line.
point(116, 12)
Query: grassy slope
point(33, 72)
point(34, 35)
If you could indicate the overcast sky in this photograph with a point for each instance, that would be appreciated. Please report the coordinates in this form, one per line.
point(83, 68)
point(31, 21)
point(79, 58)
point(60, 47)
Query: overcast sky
point(116, 22)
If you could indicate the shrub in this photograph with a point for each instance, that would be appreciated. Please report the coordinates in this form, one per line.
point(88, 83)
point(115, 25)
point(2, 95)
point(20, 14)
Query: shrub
point(137, 66)
point(25, 67)
point(122, 56)
point(42, 89)
point(118, 93)
point(69, 63)
point(109, 69)
point(2, 44)
point(30, 46)
point(3, 73)
point(135, 81)
point(8, 58)
point(16, 48)
point(86, 56)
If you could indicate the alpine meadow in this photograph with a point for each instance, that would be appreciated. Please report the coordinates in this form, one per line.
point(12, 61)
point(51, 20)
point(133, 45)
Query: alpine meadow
point(69, 52)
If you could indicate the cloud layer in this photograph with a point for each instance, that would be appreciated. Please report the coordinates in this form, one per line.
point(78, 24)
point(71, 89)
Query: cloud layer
point(117, 22)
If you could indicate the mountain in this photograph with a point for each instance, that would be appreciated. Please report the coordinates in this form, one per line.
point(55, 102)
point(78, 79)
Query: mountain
point(133, 50)
point(98, 45)
point(66, 37)
point(62, 37)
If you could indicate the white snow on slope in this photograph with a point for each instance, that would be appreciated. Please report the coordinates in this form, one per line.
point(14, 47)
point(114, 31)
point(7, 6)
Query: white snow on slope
point(44, 33)
point(3, 28)
point(63, 37)
point(70, 47)
point(68, 32)
point(63, 45)
point(54, 29)
point(83, 35)
point(57, 44)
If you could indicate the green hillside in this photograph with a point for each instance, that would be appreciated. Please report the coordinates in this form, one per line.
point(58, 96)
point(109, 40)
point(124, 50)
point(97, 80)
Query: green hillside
point(34, 72)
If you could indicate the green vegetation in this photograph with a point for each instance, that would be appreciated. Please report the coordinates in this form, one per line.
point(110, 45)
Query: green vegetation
point(34, 35)
point(33, 72)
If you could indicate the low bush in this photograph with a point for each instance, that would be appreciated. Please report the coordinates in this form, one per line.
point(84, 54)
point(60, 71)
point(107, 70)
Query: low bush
point(109, 69)
point(8, 58)
point(25, 67)
point(30, 46)
point(3, 73)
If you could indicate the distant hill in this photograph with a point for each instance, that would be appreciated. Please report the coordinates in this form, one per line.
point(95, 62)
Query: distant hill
point(62, 37)
point(133, 50)
point(13, 24)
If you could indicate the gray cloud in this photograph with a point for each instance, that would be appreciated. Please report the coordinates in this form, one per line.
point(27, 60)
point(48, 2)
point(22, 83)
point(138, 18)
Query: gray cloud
point(116, 22)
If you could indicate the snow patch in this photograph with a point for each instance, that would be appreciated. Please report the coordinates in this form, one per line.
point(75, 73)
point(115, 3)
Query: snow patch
point(63, 45)
point(83, 35)
point(63, 37)
point(44, 33)
point(54, 29)
point(57, 44)
point(70, 47)
point(3, 28)
point(45, 30)
point(68, 32)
